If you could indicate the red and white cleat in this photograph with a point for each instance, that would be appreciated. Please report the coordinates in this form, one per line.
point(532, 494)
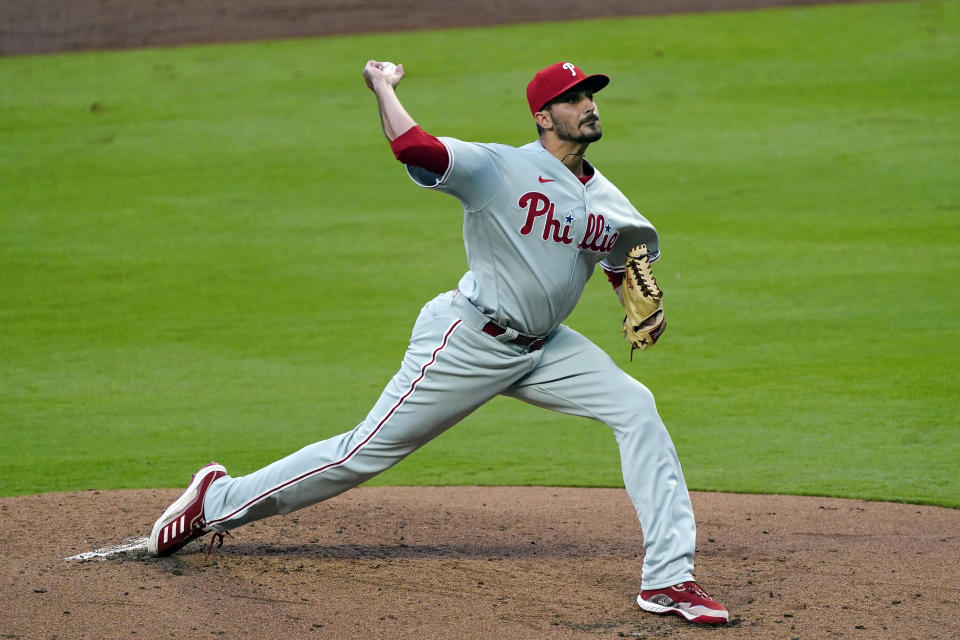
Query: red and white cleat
point(183, 520)
point(686, 599)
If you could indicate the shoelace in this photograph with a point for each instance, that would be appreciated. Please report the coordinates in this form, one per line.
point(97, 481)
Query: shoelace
point(217, 537)
point(693, 587)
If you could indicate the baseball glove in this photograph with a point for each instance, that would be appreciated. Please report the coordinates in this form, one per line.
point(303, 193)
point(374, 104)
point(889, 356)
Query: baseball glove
point(642, 300)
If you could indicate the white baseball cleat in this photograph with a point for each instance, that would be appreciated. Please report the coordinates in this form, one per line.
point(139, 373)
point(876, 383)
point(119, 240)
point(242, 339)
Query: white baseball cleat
point(183, 520)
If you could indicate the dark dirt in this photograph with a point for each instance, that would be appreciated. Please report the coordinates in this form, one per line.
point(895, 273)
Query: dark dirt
point(42, 26)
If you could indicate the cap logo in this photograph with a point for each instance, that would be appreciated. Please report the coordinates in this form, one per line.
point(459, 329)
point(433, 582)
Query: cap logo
point(569, 67)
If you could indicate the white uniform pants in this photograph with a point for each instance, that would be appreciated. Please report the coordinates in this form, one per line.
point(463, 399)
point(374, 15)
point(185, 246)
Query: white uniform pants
point(450, 368)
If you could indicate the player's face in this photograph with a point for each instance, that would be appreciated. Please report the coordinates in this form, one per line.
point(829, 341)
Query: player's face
point(575, 117)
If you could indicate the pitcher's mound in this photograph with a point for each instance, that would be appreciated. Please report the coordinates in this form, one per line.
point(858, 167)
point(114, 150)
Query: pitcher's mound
point(475, 562)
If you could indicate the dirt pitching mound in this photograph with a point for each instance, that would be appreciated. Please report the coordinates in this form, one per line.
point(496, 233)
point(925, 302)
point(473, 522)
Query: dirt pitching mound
point(472, 562)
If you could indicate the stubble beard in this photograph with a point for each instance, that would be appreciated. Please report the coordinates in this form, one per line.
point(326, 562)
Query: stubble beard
point(579, 135)
point(583, 136)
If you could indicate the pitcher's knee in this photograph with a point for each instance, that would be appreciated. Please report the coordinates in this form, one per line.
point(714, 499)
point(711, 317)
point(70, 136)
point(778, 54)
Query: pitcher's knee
point(639, 400)
point(639, 415)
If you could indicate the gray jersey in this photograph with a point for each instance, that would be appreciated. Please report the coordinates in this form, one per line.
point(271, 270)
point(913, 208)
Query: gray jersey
point(533, 232)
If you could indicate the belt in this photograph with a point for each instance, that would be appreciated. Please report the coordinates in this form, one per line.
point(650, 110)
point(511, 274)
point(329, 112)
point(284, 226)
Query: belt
point(530, 342)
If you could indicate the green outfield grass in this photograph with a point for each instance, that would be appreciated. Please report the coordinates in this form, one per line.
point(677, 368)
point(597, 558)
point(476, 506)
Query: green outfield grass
point(210, 253)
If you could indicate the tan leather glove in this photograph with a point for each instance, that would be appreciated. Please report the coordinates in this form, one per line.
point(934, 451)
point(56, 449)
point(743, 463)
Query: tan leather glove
point(642, 300)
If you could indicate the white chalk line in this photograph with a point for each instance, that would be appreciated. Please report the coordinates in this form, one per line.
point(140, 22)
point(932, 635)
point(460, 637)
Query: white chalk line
point(133, 546)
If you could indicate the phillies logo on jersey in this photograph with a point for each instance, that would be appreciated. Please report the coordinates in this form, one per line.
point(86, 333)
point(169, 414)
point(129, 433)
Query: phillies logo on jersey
point(538, 205)
point(599, 235)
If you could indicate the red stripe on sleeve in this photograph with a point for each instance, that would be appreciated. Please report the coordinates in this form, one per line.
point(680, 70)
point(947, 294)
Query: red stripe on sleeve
point(418, 148)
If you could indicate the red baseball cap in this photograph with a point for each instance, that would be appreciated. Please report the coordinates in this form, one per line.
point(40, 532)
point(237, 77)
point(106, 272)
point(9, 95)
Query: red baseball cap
point(558, 78)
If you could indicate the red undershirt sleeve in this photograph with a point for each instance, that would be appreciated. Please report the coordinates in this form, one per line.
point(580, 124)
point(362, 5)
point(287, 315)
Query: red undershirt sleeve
point(616, 279)
point(418, 148)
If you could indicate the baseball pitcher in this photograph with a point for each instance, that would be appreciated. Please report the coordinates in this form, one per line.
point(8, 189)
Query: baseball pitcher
point(537, 220)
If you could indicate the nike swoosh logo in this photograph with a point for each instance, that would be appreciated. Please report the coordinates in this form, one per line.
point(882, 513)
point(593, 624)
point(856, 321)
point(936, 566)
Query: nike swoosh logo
point(543, 180)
